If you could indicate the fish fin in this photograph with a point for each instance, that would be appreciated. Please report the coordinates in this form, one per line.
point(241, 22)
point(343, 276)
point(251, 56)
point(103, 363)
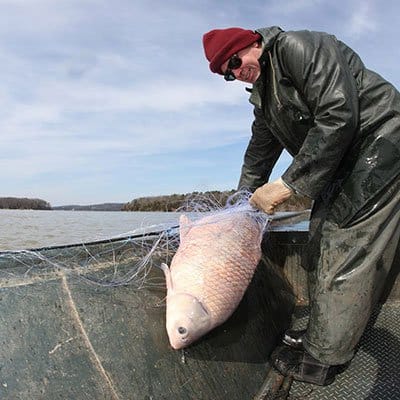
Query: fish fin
point(184, 226)
point(167, 273)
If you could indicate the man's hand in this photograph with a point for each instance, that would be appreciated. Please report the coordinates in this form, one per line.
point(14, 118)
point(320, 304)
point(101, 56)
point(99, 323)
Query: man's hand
point(270, 195)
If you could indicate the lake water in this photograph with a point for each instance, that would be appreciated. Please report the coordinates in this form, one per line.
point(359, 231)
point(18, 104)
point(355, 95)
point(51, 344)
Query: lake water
point(26, 229)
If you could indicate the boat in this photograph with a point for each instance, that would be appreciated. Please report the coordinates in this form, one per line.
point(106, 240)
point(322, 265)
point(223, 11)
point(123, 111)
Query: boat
point(83, 321)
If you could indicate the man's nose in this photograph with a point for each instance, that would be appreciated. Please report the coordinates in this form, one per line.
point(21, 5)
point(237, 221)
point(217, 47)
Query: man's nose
point(236, 72)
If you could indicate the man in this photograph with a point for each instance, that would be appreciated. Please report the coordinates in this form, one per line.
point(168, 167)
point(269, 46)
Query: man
point(313, 96)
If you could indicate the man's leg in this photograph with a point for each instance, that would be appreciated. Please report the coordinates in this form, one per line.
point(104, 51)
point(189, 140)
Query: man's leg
point(350, 272)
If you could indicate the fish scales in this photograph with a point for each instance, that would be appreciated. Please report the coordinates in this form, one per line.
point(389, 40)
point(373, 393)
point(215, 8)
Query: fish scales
point(209, 273)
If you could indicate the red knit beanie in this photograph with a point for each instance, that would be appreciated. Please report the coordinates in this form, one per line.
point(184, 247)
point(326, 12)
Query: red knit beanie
point(220, 44)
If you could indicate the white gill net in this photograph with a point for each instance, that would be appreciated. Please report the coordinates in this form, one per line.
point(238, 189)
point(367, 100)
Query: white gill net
point(132, 259)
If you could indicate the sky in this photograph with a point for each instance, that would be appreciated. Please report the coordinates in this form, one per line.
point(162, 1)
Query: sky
point(107, 101)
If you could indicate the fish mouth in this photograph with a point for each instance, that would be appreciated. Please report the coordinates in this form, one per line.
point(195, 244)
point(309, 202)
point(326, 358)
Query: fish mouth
point(179, 344)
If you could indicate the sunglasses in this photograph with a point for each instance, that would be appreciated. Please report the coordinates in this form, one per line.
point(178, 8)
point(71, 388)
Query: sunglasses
point(234, 63)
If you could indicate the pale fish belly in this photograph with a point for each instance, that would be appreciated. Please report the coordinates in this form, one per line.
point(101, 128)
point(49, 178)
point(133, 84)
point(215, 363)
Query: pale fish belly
point(216, 261)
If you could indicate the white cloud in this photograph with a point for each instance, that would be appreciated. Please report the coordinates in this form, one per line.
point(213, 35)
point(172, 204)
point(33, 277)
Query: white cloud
point(89, 84)
point(363, 19)
point(165, 94)
point(292, 6)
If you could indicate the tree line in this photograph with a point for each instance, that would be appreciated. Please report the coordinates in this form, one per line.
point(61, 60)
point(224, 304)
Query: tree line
point(189, 201)
point(15, 203)
point(175, 202)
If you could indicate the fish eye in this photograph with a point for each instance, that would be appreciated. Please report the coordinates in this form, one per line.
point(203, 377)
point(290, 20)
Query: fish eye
point(182, 330)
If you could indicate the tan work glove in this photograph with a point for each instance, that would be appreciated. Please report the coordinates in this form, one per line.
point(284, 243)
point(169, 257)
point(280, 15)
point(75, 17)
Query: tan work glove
point(270, 195)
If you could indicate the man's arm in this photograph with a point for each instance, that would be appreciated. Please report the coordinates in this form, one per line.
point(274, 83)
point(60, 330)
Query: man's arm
point(320, 72)
point(261, 155)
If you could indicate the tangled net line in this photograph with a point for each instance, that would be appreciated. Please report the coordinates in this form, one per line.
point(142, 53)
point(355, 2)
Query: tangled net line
point(124, 260)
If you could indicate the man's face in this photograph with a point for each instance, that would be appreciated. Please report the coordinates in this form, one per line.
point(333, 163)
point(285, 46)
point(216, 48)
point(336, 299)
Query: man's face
point(249, 70)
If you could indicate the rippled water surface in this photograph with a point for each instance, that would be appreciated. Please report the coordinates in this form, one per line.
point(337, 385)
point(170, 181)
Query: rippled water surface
point(22, 229)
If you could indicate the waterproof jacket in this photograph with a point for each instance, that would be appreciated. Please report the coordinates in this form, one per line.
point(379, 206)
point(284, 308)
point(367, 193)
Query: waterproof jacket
point(339, 121)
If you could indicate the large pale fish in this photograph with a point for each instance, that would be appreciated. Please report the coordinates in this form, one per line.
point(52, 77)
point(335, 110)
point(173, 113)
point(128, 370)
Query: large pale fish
point(210, 272)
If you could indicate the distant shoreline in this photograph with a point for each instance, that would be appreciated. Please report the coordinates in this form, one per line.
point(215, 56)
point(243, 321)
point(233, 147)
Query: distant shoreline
point(166, 203)
point(92, 207)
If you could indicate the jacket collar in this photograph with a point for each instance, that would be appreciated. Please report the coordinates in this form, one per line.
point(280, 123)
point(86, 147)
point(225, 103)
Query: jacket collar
point(269, 36)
